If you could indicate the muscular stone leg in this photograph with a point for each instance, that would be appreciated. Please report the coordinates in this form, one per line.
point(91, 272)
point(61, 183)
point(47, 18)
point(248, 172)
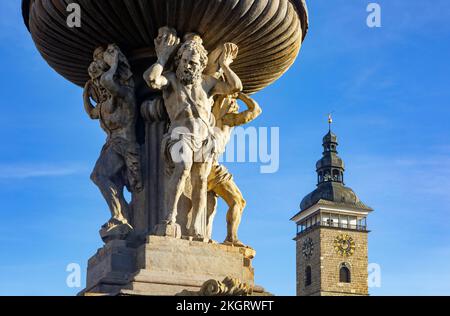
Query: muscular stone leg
point(124, 205)
point(176, 185)
point(211, 213)
point(133, 164)
point(107, 167)
point(199, 178)
point(236, 204)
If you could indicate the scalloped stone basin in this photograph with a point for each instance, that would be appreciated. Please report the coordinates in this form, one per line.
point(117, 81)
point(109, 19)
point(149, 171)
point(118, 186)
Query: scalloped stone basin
point(269, 33)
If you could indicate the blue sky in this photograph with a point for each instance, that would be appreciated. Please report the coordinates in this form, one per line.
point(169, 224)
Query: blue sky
point(387, 87)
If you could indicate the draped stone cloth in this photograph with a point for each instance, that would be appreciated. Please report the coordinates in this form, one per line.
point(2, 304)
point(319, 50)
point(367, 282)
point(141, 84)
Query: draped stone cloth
point(219, 175)
point(130, 153)
point(204, 149)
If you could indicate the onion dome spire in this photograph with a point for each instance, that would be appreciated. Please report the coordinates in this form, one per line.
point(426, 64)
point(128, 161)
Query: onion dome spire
point(331, 189)
point(330, 168)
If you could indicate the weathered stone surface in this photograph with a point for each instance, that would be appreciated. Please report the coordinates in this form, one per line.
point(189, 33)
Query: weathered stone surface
point(114, 263)
point(192, 260)
point(166, 266)
point(117, 232)
point(168, 230)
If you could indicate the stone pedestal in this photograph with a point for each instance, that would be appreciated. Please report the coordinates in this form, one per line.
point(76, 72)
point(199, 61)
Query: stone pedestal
point(166, 266)
point(113, 265)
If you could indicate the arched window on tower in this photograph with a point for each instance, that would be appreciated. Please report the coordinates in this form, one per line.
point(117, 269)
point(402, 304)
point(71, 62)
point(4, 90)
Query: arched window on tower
point(336, 175)
point(327, 176)
point(308, 276)
point(344, 274)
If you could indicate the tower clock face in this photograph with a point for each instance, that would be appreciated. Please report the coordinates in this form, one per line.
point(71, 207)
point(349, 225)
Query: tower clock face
point(344, 245)
point(308, 247)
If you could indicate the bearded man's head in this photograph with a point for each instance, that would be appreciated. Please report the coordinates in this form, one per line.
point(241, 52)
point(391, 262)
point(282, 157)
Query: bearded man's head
point(191, 60)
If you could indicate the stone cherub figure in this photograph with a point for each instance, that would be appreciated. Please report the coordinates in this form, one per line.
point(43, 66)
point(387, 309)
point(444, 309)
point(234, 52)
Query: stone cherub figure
point(220, 181)
point(188, 97)
point(112, 88)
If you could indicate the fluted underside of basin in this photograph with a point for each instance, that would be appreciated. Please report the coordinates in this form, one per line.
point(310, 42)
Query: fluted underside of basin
point(269, 33)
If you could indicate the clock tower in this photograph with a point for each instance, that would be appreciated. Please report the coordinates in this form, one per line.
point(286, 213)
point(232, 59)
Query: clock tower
point(331, 233)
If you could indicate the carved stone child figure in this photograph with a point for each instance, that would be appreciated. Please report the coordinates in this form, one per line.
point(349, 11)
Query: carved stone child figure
point(188, 96)
point(112, 88)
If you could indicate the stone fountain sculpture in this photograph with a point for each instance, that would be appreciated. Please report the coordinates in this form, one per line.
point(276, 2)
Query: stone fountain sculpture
point(112, 87)
point(164, 79)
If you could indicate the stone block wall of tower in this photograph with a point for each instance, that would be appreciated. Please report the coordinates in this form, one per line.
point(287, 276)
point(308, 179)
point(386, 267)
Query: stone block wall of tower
point(325, 263)
point(313, 261)
point(331, 262)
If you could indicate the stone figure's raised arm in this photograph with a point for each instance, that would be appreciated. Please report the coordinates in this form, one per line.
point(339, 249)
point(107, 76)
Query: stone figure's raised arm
point(154, 76)
point(91, 110)
point(232, 83)
point(245, 117)
point(165, 45)
point(109, 78)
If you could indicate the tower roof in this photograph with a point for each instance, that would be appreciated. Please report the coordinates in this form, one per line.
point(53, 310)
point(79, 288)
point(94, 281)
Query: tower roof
point(330, 137)
point(332, 193)
point(331, 189)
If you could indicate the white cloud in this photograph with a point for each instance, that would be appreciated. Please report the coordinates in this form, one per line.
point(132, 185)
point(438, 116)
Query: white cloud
point(416, 173)
point(25, 171)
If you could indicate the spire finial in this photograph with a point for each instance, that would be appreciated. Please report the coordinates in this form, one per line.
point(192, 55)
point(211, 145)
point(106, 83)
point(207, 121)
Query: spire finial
point(330, 121)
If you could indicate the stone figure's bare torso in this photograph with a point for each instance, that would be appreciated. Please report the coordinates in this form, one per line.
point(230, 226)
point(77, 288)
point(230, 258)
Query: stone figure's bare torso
point(188, 107)
point(117, 118)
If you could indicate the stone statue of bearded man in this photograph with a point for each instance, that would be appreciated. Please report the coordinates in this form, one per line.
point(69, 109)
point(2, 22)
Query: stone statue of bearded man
point(188, 97)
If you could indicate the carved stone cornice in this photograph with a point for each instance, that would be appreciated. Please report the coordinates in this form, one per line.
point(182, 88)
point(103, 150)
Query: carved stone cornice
point(228, 287)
